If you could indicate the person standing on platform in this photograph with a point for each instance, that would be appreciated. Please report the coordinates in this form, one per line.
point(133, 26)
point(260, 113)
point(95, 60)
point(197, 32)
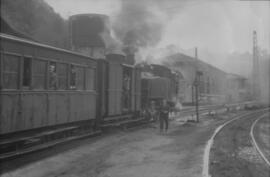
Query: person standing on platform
point(164, 116)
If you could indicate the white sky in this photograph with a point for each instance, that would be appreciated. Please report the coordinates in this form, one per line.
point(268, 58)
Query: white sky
point(223, 26)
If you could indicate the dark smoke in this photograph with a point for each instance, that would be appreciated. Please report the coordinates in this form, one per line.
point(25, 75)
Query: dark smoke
point(137, 26)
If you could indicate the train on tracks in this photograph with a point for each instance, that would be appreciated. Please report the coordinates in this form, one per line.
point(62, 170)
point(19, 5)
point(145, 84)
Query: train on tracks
point(49, 93)
point(43, 87)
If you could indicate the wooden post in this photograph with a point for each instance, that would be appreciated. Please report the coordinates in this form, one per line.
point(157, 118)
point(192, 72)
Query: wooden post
point(196, 87)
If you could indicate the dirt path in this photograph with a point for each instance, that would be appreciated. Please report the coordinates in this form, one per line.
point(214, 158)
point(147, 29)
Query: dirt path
point(137, 153)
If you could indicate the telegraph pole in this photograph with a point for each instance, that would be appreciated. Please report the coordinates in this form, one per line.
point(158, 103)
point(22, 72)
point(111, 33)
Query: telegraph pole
point(197, 86)
point(255, 69)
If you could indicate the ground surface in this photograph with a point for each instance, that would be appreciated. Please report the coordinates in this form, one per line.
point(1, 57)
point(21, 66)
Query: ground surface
point(233, 154)
point(262, 135)
point(141, 152)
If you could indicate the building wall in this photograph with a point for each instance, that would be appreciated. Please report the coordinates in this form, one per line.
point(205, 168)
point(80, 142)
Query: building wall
point(212, 81)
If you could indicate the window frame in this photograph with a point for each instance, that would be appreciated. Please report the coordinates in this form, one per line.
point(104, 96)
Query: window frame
point(48, 75)
point(96, 79)
point(1, 70)
point(30, 87)
point(82, 74)
point(46, 60)
point(44, 74)
point(61, 76)
point(18, 75)
point(70, 77)
point(127, 70)
point(93, 70)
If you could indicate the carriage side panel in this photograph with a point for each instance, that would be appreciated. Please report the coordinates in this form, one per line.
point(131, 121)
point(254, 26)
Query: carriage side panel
point(31, 102)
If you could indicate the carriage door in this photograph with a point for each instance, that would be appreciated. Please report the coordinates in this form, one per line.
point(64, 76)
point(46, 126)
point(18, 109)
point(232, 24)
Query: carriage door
point(126, 94)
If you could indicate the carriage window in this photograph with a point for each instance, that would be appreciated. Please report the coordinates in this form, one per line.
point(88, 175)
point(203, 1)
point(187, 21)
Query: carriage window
point(10, 71)
point(62, 76)
point(53, 80)
point(90, 79)
point(94, 79)
point(72, 77)
point(80, 78)
point(26, 72)
point(39, 74)
point(126, 94)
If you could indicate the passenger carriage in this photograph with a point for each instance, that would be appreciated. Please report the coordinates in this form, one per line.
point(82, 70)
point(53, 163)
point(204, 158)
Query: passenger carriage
point(44, 86)
point(121, 88)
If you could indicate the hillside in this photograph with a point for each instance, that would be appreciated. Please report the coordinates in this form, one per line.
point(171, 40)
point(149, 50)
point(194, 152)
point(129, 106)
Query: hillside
point(35, 18)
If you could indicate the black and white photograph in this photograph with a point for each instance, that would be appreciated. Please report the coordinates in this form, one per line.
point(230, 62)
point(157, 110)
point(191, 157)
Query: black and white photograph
point(135, 88)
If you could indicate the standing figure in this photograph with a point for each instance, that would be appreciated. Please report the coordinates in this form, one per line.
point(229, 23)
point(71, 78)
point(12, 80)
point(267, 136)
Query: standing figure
point(53, 82)
point(164, 116)
point(152, 111)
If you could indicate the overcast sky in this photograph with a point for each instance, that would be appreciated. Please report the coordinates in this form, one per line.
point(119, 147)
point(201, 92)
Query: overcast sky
point(220, 26)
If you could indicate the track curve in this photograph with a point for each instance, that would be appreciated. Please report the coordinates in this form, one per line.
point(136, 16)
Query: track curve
point(255, 143)
point(206, 157)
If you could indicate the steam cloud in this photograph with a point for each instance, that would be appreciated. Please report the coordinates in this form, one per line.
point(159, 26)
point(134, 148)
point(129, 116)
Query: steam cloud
point(137, 26)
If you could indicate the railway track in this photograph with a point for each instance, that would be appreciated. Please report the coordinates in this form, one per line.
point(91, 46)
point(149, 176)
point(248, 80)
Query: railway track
point(233, 106)
point(13, 148)
point(257, 145)
point(212, 109)
point(29, 144)
point(223, 155)
point(41, 140)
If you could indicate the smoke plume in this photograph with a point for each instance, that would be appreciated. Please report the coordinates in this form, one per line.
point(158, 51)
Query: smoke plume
point(136, 25)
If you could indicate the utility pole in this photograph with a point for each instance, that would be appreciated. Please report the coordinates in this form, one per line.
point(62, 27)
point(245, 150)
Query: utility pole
point(255, 69)
point(197, 86)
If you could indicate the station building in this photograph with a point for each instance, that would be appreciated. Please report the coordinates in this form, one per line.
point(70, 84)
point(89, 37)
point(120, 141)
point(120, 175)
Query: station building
point(215, 85)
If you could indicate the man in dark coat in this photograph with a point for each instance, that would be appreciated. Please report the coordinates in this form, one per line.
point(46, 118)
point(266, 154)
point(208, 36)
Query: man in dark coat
point(164, 116)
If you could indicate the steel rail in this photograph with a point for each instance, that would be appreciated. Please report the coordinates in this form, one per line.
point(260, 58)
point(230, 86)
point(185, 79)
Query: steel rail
point(206, 156)
point(254, 142)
